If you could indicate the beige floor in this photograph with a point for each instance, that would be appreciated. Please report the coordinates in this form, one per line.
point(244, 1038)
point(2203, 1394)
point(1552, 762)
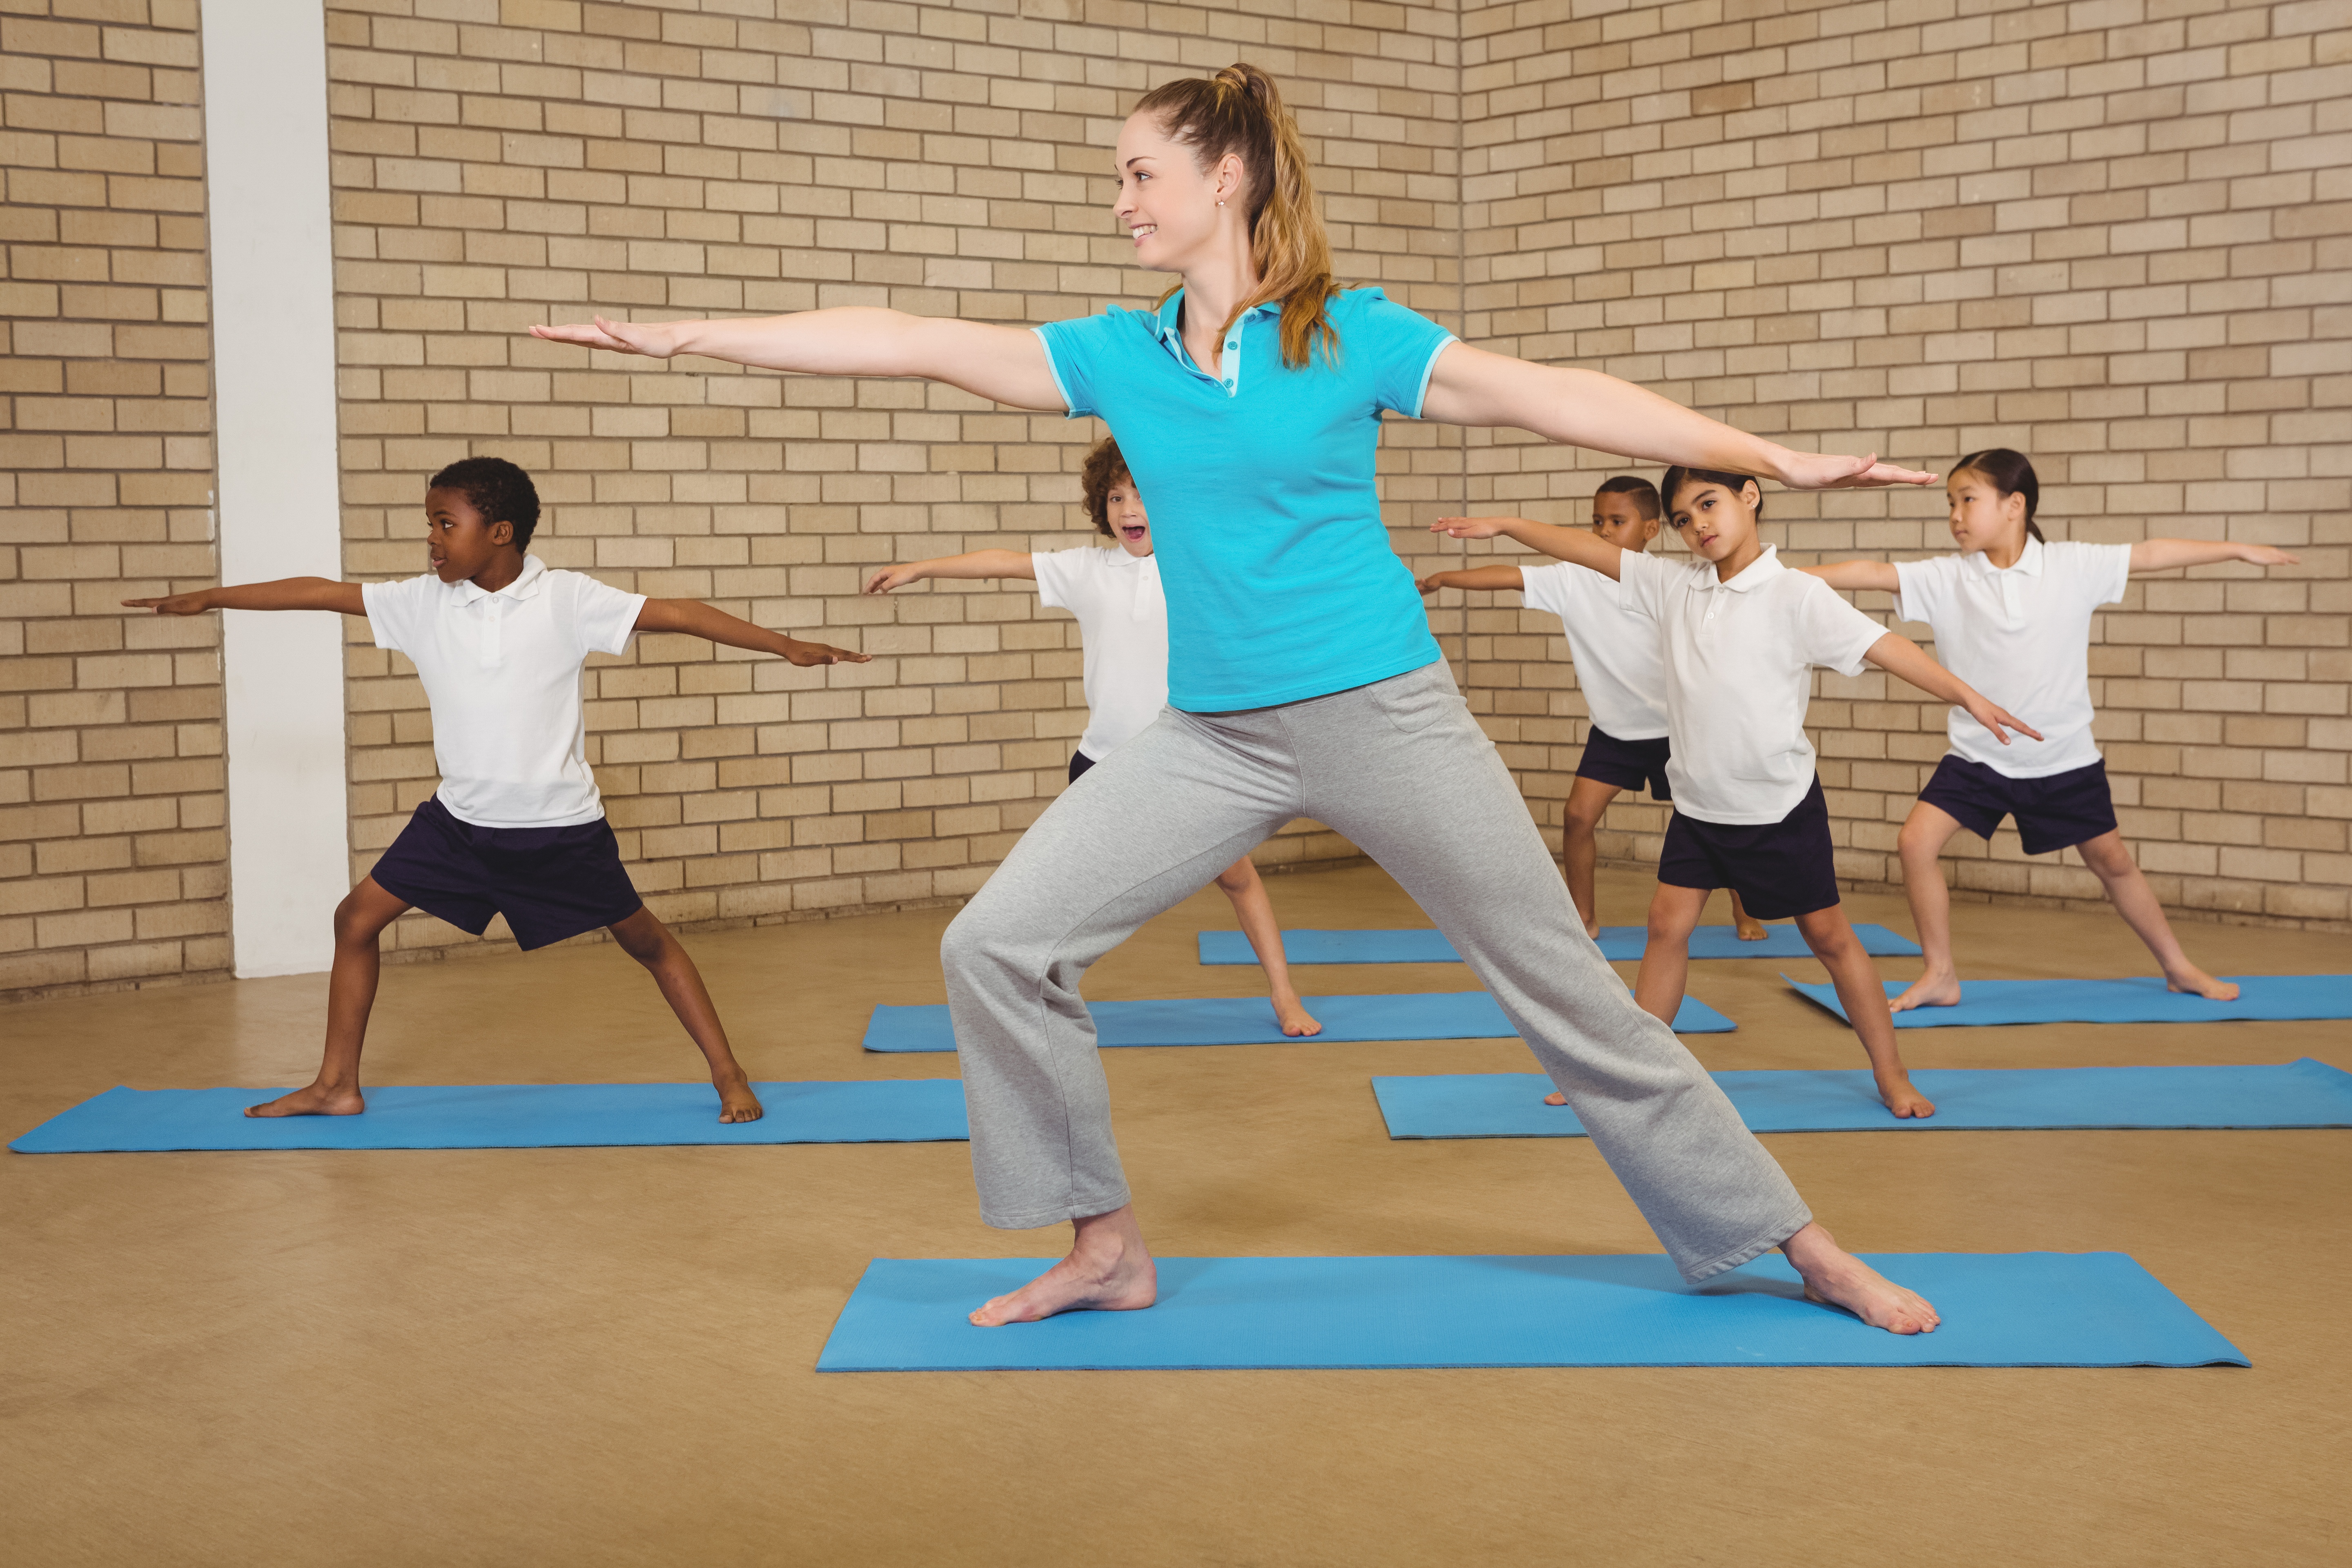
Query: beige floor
point(603, 1356)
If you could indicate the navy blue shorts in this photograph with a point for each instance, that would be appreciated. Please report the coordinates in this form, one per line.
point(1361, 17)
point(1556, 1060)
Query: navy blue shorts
point(1080, 763)
point(1778, 868)
point(2054, 813)
point(1628, 765)
point(550, 883)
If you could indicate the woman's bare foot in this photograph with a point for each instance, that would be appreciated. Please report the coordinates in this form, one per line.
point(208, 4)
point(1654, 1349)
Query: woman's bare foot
point(1836, 1277)
point(319, 1100)
point(1294, 1018)
point(1933, 989)
point(2194, 982)
point(1108, 1270)
point(1895, 1088)
point(737, 1103)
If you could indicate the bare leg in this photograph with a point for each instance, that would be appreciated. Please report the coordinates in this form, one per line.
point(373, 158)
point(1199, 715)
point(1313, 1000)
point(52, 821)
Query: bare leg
point(1836, 1277)
point(1108, 1269)
point(643, 938)
point(360, 920)
point(1241, 883)
point(1921, 847)
point(1856, 976)
point(1580, 818)
point(2111, 861)
point(1665, 958)
point(1747, 927)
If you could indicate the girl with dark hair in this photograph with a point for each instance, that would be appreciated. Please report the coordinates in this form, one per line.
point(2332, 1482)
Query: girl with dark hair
point(2012, 614)
point(1303, 681)
point(1123, 627)
point(1739, 636)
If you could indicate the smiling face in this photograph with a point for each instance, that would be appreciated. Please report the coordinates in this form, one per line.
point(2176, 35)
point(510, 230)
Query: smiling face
point(1616, 519)
point(1123, 507)
point(461, 541)
point(1715, 522)
point(1982, 518)
point(1168, 203)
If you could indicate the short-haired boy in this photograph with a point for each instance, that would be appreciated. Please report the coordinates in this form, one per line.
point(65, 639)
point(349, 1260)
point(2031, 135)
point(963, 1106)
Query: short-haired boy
point(516, 828)
point(1620, 671)
point(1740, 635)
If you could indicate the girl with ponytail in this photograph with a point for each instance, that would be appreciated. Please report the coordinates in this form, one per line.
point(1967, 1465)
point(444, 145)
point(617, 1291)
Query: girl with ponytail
point(1302, 681)
point(2012, 615)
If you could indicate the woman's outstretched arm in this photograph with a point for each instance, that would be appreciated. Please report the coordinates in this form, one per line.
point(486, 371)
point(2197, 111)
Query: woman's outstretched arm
point(1586, 409)
point(1005, 365)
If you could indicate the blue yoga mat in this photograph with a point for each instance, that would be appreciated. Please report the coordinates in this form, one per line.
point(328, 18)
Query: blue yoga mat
point(509, 1116)
point(2139, 1000)
point(1249, 1021)
point(2026, 1309)
point(1417, 946)
point(2305, 1093)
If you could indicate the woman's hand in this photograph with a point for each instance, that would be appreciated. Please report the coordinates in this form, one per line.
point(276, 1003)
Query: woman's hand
point(808, 653)
point(195, 603)
point(655, 340)
point(896, 577)
point(1816, 472)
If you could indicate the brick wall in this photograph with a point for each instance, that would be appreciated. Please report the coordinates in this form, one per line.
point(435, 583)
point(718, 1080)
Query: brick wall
point(500, 165)
point(111, 854)
point(2110, 234)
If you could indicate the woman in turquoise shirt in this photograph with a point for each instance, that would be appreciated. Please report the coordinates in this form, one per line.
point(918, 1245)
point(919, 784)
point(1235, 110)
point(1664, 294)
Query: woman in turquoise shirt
point(1303, 681)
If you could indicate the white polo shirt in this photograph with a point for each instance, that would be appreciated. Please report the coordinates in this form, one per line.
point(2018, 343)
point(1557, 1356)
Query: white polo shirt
point(1621, 665)
point(2022, 636)
point(502, 674)
point(1123, 622)
point(1739, 658)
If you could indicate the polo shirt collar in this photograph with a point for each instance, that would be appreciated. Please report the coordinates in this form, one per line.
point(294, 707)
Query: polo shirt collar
point(1165, 326)
point(1763, 569)
point(523, 587)
point(2029, 561)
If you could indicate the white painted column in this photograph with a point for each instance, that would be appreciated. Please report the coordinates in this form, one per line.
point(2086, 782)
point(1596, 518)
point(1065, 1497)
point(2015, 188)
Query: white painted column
point(265, 84)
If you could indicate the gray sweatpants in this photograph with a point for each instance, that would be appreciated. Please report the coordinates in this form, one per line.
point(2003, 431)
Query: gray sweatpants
point(1402, 769)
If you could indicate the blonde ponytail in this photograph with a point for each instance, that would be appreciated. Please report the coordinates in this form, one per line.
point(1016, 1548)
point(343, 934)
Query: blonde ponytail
point(1239, 110)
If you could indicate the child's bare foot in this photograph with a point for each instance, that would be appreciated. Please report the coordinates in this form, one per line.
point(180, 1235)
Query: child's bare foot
point(1108, 1271)
point(737, 1103)
point(1593, 930)
point(1748, 928)
point(1895, 1088)
point(1294, 1018)
point(1933, 989)
point(1555, 1097)
point(2194, 982)
point(319, 1100)
point(1836, 1277)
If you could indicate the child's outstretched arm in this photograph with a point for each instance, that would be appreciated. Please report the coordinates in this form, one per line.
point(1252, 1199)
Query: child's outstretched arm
point(1479, 579)
point(1579, 545)
point(1849, 575)
point(698, 619)
point(1899, 655)
point(2164, 554)
point(286, 594)
point(977, 564)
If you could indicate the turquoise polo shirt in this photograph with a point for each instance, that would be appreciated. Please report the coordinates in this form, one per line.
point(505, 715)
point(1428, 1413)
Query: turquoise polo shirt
point(1281, 584)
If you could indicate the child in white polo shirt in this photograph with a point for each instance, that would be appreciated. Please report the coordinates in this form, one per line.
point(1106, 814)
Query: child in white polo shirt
point(517, 826)
point(1123, 627)
point(1740, 635)
point(1621, 672)
point(2012, 615)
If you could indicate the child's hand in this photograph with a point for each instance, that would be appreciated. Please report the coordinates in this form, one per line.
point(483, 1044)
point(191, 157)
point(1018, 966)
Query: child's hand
point(195, 603)
point(1469, 526)
point(652, 339)
point(891, 577)
point(1999, 720)
point(2266, 555)
point(1430, 584)
point(808, 653)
